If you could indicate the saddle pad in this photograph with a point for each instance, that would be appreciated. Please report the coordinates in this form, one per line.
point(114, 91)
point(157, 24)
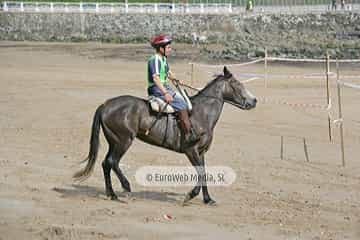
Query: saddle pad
point(157, 105)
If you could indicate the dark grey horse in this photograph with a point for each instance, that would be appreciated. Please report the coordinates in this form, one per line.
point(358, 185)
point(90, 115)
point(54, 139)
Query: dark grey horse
point(126, 117)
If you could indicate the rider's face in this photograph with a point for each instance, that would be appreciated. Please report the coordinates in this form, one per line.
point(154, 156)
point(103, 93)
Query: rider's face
point(166, 50)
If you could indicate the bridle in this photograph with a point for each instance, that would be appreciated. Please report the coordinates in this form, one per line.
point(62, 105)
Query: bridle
point(177, 83)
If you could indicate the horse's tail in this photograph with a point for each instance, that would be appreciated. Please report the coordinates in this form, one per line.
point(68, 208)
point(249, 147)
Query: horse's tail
point(85, 173)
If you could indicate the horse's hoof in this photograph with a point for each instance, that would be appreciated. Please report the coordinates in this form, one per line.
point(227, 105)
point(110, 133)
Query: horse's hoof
point(126, 187)
point(113, 197)
point(127, 194)
point(210, 202)
point(186, 200)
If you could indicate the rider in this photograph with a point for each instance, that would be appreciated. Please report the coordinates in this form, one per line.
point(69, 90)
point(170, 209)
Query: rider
point(159, 75)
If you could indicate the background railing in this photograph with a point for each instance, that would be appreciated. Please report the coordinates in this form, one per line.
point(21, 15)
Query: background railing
point(208, 7)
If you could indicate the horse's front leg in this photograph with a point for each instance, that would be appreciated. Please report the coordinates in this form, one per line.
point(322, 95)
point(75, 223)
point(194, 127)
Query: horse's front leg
point(206, 195)
point(198, 162)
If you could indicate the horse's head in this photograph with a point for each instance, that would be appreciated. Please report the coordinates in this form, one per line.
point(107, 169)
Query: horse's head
point(235, 92)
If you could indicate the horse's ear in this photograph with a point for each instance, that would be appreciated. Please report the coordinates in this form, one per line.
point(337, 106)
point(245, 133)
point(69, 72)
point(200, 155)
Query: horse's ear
point(227, 73)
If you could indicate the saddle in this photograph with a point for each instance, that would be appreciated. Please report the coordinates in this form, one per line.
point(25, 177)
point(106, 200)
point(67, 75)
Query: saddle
point(158, 105)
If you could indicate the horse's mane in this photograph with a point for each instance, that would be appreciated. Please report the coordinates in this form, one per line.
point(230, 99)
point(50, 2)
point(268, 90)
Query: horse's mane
point(209, 84)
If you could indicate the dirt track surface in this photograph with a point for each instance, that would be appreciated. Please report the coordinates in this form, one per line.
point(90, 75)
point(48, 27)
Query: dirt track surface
point(48, 96)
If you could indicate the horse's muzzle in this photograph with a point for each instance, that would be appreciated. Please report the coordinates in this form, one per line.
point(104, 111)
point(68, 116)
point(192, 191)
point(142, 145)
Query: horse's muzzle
point(250, 104)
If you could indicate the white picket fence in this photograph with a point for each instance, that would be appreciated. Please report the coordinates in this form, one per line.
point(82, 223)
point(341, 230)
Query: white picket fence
point(168, 8)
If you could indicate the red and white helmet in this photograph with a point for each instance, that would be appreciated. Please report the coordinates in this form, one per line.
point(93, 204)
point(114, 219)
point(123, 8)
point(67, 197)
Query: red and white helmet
point(160, 41)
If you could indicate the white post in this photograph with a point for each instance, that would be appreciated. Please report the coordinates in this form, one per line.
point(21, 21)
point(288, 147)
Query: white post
point(156, 8)
point(81, 9)
point(202, 8)
point(187, 8)
point(97, 7)
point(173, 8)
point(51, 7)
point(66, 7)
point(5, 7)
point(21, 6)
point(328, 90)
point(282, 148)
point(265, 69)
point(340, 114)
point(36, 7)
point(126, 8)
point(306, 150)
point(230, 8)
point(192, 74)
point(216, 8)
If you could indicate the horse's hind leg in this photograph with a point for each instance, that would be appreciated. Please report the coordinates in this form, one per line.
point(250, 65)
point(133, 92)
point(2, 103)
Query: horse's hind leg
point(116, 151)
point(106, 165)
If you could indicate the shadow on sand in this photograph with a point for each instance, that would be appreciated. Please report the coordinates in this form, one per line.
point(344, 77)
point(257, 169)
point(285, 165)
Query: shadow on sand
point(77, 190)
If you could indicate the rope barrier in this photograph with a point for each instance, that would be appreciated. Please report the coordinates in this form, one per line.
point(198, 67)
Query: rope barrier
point(229, 65)
point(349, 85)
point(253, 77)
point(311, 60)
point(277, 59)
point(250, 80)
point(351, 76)
point(303, 105)
point(295, 59)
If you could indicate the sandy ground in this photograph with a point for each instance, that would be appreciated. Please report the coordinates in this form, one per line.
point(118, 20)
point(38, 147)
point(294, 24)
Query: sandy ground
point(49, 93)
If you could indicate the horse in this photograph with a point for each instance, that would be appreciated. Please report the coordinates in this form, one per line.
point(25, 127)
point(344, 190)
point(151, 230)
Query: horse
point(125, 118)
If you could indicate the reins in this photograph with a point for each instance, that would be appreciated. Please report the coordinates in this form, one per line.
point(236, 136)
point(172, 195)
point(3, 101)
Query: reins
point(177, 82)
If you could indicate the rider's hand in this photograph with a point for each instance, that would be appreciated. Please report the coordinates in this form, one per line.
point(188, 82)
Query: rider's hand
point(168, 98)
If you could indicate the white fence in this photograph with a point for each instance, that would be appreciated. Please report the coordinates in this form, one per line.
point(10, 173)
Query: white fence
point(117, 7)
point(164, 8)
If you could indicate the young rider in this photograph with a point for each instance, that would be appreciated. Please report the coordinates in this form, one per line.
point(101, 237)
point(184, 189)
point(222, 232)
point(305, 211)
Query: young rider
point(159, 75)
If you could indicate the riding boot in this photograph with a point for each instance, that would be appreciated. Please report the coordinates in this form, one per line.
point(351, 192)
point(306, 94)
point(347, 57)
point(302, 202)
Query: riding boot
point(190, 136)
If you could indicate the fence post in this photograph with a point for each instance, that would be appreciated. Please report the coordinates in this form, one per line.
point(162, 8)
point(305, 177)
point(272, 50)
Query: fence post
point(230, 8)
point(201, 8)
point(36, 7)
point(327, 90)
point(282, 148)
point(97, 7)
point(173, 8)
point(265, 70)
point(21, 7)
point(156, 8)
point(81, 9)
point(192, 74)
point(306, 150)
point(340, 114)
point(51, 7)
point(5, 7)
point(126, 8)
